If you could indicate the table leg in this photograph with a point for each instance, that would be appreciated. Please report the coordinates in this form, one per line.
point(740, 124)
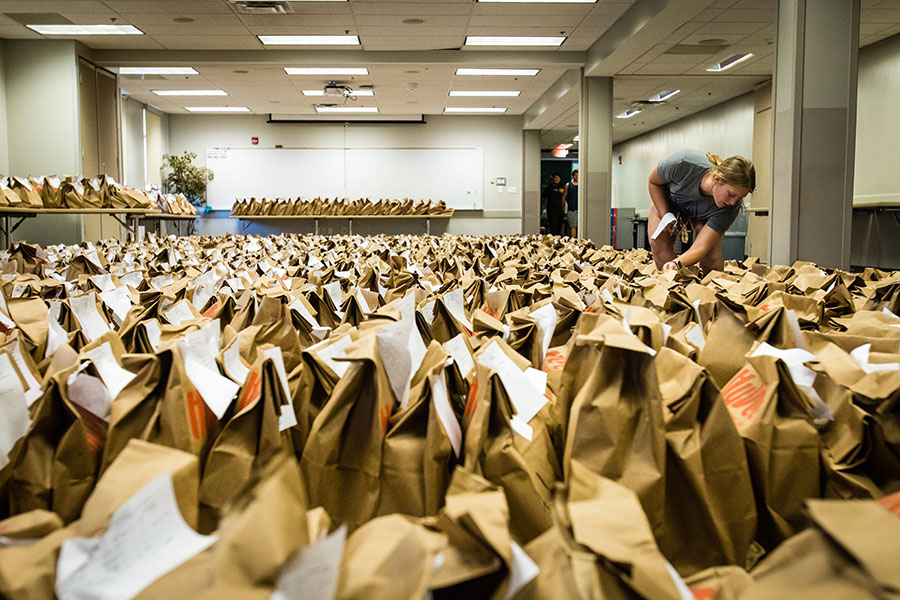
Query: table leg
point(316, 221)
point(428, 225)
point(351, 226)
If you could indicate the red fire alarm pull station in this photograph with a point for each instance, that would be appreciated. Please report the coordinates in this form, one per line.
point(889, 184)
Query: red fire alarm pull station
point(620, 159)
point(254, 140)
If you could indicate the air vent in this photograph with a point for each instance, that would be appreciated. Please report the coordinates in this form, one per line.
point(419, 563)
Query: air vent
point(695, 49)
point(261, 7)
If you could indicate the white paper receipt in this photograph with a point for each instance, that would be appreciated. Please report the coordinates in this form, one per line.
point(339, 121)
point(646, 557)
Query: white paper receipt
point(667, 220)
point(147, 537)
point(14, 408)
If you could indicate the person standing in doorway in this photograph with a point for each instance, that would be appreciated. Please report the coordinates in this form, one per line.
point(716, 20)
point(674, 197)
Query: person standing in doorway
point(571, 197)
point(556, 205)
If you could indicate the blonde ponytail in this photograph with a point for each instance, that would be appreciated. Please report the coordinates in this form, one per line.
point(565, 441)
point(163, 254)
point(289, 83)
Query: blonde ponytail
point(737, 171)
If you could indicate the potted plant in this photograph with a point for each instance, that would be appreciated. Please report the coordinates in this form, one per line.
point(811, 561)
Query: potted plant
point(187, 179)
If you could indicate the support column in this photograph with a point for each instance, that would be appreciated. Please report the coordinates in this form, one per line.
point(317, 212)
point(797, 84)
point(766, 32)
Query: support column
point(595, 158)
point(531, 181)
point(817, 47)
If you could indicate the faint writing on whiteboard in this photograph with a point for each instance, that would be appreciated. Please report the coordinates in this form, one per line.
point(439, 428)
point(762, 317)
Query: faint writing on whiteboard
point(216, 153)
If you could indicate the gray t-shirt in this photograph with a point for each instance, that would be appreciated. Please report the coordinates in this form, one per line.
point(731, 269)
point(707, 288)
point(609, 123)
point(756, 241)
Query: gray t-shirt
point(682, 173)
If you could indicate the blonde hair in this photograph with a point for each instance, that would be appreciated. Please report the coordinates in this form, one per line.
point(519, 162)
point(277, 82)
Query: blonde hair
point(737, 171)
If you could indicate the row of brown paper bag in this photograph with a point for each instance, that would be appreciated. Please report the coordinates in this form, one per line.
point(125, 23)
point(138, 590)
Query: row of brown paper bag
point(70, 192)
point(325, 207)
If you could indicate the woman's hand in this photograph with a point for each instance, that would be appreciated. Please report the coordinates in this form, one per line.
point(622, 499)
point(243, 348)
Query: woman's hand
point(670, 266)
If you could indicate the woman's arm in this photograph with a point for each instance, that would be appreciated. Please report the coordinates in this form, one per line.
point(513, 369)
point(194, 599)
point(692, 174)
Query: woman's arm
point(706, 240)
point(657, 189)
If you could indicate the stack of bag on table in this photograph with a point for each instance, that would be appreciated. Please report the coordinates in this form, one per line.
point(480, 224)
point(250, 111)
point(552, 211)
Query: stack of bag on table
point(175, 204)
point(70, 192)
point(397, 417)
point(336, 207)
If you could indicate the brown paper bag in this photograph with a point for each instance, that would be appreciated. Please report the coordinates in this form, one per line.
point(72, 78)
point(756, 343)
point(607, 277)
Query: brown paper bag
point(616, 423)
point(850, 553)
point(341, 461)
point(72, 191)
point(524, 469)
point(51, 193)
point(136, 466)
point(29, 196)
point(607, 518)
point(250, 438)
point(709, 495)
point(783, 446)
point(388, 557)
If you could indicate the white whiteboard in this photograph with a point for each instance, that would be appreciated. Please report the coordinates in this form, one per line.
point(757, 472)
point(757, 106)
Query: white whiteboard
point(454, 175)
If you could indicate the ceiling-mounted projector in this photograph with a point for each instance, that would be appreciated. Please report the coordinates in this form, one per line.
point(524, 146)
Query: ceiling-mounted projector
point(335, 90)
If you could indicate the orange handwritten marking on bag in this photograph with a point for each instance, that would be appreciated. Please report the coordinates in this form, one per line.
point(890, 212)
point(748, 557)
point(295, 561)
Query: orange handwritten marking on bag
point(765, 308)
point(891, 503)
point(384, 414)
point(470, 401)
point(590, 309)
point(212, 311)
point(554, 360)
point(251, 392)
point(196, 416)
point(493, 313)
point(704, 593)
point(744, 396)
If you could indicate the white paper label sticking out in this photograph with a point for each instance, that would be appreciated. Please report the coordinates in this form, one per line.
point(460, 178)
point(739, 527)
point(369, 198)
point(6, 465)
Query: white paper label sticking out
point(287, 418)
point(13, 407)
point(147, 537)
point(460, 353)
point(335, 350)
point(119, 301)
point(154, 332)
point(444, 411)
point(109, 369)
point(181, 311)
point(454, 303)
point(234, 365)
point(85, 310)
point(525, 398)
point(314, 572)
point(199, 350)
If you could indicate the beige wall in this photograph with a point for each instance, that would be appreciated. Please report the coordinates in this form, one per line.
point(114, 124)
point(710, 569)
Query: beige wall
point(878, 123)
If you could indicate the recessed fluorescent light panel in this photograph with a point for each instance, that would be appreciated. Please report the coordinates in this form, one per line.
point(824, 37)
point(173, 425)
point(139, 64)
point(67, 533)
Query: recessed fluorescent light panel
point(461, 109)
point(484, 93)
point(347, 109)
point(352, 93)
point(86, 29)
point(190, 92)
point(309, 40)
point(628, 113)
point(157, 71)
point(223, 109)
point(514, 40)
point(326, 70)
point(501, 72)
point(663, 96)
point(729, 62)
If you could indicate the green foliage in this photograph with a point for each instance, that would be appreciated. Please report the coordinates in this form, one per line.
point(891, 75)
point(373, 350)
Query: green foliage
point(185, 178)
